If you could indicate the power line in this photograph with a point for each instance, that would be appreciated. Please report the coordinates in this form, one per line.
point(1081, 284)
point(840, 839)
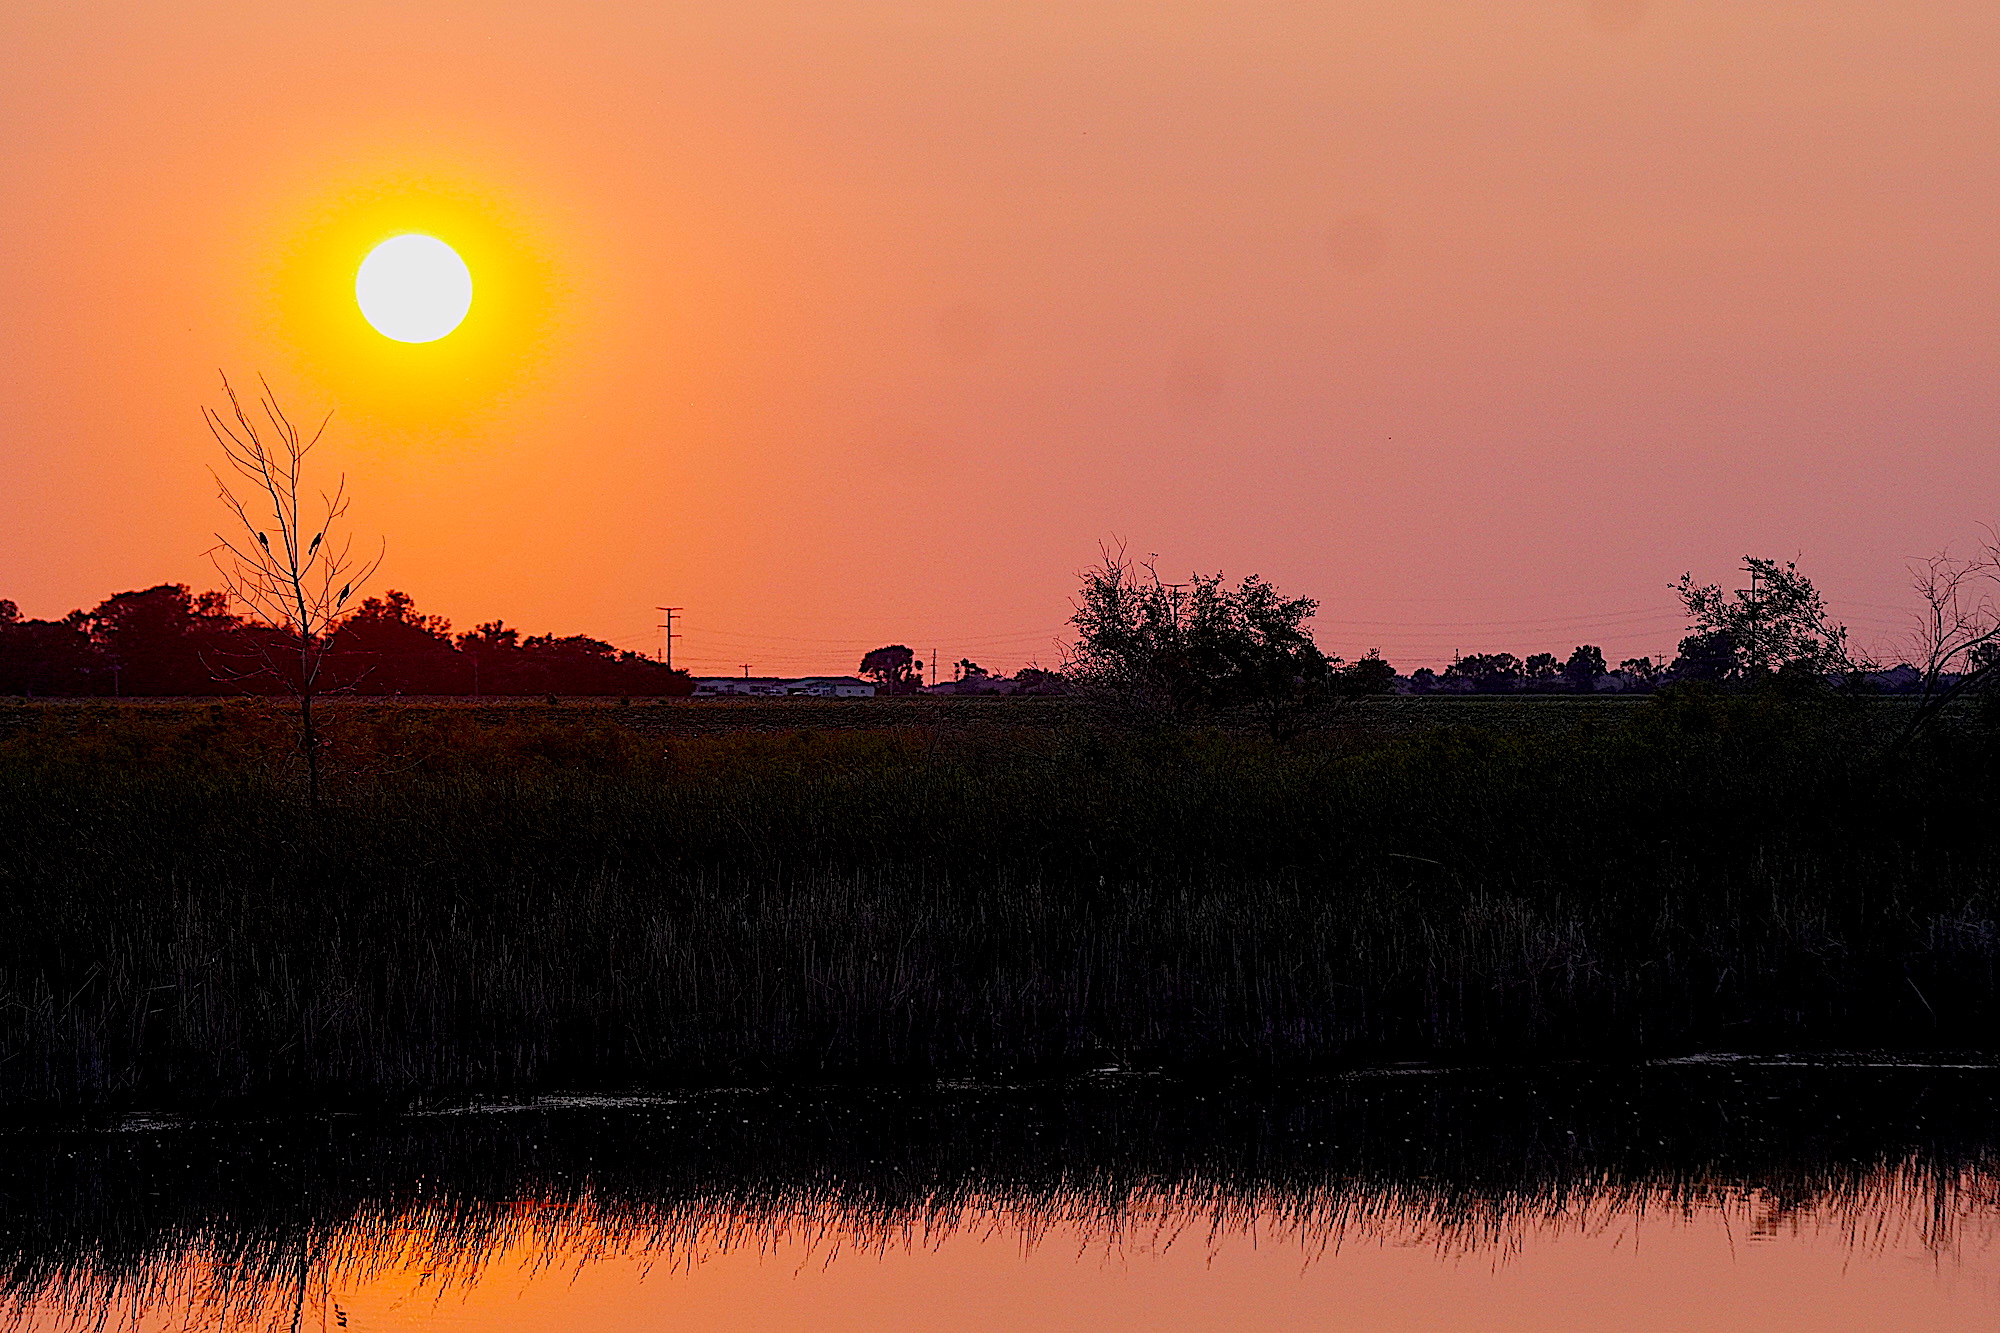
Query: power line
point(807, 644)
point(667, 633)
point(1557, 622)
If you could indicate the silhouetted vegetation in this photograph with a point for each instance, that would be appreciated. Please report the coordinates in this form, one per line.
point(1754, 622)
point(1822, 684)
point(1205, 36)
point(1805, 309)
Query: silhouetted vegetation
point(218, 1225)
point(165, 641)
point(298, 586)
point(893, 668)
point(513, 900)
point(1779, 623)
point(571, 899)
point(1958, 640)
point(1194, 650)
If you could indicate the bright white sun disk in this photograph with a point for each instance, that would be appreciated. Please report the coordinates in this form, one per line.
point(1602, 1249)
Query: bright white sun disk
point(413, 288)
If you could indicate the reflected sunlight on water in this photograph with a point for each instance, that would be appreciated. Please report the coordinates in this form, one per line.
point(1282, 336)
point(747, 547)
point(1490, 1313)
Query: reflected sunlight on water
point(1903, 1251)
point(1820, 1200)
point(1709, 1269)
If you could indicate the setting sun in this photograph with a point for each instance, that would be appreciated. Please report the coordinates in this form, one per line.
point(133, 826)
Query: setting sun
point(413, 288)
point(422, 301)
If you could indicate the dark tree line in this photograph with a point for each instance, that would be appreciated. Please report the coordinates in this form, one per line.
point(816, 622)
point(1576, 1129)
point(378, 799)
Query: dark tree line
point(166, 640)
point(1203, 648)
point(1777, 628)
point(1177, 650)
point(1584, 671)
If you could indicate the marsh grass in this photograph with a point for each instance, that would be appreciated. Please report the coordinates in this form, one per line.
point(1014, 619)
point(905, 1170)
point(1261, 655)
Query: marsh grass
point(519, 899)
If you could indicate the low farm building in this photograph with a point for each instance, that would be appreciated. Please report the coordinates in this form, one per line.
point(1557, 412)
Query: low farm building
point(783, 687)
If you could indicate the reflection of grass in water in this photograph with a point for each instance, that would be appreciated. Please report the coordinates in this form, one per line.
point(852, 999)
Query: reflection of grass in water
point(247, 1224)
point(505, 900)
point(438, 1250)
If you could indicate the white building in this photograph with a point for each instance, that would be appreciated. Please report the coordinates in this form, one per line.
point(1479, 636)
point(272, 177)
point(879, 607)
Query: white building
point(782, 687)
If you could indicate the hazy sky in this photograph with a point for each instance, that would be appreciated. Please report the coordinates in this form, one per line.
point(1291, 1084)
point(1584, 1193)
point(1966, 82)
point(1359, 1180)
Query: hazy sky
point(842, 323)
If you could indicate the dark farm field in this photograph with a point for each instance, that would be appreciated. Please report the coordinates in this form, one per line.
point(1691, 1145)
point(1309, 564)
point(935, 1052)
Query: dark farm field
point(517, 897)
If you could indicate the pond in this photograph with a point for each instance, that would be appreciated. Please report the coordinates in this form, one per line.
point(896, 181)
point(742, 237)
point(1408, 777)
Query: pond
point(1711, 1194)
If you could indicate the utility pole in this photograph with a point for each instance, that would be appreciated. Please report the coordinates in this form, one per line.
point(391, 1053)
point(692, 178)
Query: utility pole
point(668, 636)
point(746, 669)
point(934, 666)
point(1751, 653)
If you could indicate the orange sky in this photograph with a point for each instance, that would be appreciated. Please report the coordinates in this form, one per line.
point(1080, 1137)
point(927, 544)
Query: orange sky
point(847, 322)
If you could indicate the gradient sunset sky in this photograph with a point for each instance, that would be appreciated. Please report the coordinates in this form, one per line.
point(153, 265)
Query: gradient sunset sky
point(847, 323)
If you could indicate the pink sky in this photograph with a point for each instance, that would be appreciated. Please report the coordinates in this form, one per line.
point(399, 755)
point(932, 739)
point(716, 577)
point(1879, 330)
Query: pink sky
point(844, 323)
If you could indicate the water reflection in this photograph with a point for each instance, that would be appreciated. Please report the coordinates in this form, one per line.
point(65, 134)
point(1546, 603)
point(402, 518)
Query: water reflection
point(1708, 1195)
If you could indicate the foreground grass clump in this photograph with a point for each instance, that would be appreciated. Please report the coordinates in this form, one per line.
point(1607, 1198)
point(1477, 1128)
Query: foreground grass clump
point(548, 900)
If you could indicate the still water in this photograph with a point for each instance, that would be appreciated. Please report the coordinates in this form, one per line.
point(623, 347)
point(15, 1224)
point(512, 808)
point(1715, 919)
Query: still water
point(1709, 1195)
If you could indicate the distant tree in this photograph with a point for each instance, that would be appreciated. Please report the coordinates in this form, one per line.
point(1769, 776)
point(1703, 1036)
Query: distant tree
point(499, 660)
point(893, 669)
point(50, 657)
point(18, 658)
point(1368, 674)
point(1541, 669)
point(491, 637)
point(1035, 680)
point(1423, 680)
point(492, 651)
point(1710, 655)
point(968, 677)
point(163, 640)
point(1180, 651)
point(300, 583)
point(568, 645)
point(1779, 621)
point(1281, 674)
point(1487, 673)
point(1640, 670)
point(1584, 667)
point(387, 646)
point(397, 611)
point(572, 663)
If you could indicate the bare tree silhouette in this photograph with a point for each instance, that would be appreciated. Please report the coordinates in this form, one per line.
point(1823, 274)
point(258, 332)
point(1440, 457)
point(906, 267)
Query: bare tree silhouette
point(1957, 645)
point(299, 584)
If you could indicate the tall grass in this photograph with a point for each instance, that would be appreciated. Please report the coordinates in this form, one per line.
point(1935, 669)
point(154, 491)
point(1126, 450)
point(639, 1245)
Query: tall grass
point(540, 903)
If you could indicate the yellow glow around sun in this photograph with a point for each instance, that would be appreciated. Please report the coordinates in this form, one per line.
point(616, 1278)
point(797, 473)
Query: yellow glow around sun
point(413, 288)
point(416, 304)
